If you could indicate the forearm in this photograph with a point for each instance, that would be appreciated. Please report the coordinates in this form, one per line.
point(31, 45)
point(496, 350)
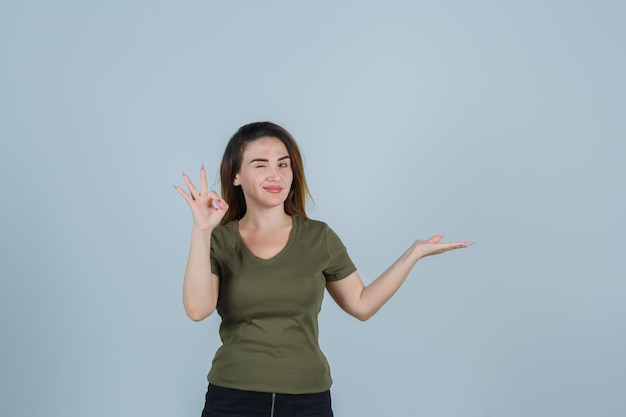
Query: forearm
point(199, 298)
point(363, 302)
point(379, 291)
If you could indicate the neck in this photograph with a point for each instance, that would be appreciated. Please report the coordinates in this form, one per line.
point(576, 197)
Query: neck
point(264, 219)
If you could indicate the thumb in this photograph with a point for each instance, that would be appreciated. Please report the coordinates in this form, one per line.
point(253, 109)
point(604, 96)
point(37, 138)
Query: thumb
point(435, 239)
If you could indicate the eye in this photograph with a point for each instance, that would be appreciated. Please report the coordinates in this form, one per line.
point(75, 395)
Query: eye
point(283, 165)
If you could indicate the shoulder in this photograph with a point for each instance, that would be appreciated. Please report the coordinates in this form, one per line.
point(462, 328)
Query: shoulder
point(315, 229)
point(307, 225)
point(308, 222)
point(225, 234)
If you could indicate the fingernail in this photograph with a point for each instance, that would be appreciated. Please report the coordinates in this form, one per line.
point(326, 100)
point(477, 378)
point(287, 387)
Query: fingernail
point(184, 175)
point(203, 167)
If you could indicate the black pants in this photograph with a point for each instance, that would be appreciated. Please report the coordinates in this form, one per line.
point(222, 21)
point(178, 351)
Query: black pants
point(227, 402)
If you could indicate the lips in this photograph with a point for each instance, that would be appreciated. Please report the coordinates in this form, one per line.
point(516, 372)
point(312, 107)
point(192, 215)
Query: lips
point(273, 189)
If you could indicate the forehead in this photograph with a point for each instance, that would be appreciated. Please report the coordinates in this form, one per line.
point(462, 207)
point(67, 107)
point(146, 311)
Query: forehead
point(266, 146)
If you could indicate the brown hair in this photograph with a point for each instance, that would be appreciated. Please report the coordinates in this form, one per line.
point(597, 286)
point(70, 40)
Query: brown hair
point(231, 164)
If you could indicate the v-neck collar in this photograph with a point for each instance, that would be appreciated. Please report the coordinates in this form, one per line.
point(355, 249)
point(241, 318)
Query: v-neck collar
point(292, 237)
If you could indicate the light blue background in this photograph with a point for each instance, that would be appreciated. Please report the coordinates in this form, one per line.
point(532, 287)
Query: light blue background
point(498, 122)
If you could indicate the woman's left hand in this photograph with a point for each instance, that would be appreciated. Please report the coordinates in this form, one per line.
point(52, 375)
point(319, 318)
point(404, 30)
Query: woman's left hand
point(434, 246)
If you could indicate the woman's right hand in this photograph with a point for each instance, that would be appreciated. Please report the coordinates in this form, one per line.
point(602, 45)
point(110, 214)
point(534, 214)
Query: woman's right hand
point(207, 207)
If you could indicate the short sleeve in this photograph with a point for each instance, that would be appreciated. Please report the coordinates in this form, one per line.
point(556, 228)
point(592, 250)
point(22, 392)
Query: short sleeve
point(340, 265)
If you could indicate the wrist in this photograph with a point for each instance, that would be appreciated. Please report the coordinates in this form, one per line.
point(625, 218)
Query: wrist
point(201, 232)
point(414, 253)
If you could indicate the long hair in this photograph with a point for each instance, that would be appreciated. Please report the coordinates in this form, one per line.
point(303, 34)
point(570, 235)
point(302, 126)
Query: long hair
point(231, 164)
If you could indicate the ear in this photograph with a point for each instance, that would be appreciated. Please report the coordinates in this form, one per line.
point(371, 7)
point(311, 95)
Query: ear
point(236, 181)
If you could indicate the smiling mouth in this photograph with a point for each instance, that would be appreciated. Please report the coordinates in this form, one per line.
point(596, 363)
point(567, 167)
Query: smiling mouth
point(273, 190)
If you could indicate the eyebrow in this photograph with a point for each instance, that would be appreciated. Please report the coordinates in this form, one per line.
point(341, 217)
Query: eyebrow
point(267, 160)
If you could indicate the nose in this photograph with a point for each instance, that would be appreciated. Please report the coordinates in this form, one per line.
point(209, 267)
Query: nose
point(272, 173)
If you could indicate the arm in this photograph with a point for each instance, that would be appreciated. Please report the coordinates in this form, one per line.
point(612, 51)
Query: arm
point(200, 285)
point(363, 301)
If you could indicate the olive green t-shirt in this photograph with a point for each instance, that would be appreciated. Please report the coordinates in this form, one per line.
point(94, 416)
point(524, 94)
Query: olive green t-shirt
point(269, 309)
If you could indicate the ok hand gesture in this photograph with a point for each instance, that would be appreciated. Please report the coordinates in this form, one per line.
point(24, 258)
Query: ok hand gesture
point(207, 208)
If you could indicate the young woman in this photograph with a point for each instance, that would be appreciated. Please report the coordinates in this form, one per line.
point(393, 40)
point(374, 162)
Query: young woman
point(259, 260)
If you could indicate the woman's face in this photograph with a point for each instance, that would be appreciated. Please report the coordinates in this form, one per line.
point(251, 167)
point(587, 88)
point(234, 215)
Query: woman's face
point(265, 175)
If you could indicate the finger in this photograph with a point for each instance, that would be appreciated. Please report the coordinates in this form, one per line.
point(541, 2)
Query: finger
point(186, 196)
point(456, 245)
point(435, 239)
point(192, 189)
point(213, 198)
point(204, 187)
point(215, 201)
